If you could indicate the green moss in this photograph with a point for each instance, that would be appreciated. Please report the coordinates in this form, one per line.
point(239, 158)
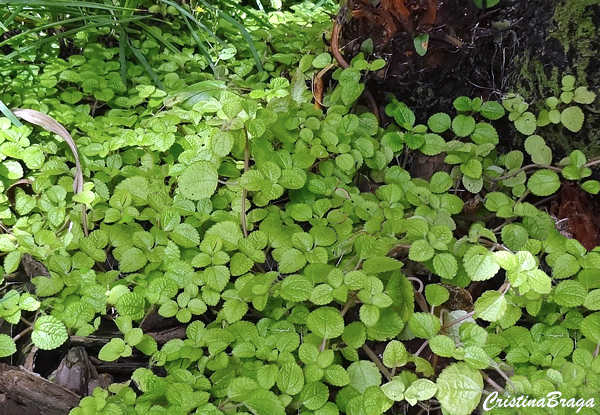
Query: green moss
point(574, 28)
point(570, 45)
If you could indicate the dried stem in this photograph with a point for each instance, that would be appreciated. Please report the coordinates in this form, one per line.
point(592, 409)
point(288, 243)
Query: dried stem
point(377, 362)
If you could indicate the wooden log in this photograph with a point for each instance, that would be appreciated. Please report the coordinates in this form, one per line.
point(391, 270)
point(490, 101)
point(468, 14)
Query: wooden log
point(34, 392)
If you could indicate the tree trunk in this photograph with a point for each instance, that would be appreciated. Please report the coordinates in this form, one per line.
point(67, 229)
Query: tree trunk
point(437, 50)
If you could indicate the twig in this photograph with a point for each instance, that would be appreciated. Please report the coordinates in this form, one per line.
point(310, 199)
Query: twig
point(525, 168)
point(244, 191)
point(348, 304)
point(24, 332)
point(377, 362)
point(493, 384)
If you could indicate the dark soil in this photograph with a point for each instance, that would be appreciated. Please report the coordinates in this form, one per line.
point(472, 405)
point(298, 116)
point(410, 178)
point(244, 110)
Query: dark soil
point(471, 51)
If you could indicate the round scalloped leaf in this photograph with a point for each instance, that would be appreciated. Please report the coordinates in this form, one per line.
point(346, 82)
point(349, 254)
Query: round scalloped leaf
point(326, 322)
point(463, 125)
point(480, 263)
point(7, 345)
point(48, 333)
point(543, 182)
point(526, 123)
point(440, 122)
point(584, 95)
point(131, 304)
point(198, 181)
point(459, 388)
point(572, 118)
point(445, 265)
point(492, 110)
point(491, 306)
point(395, 354)
point(420, 251)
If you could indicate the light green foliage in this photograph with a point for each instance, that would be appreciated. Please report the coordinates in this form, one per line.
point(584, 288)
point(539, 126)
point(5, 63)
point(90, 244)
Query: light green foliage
point(231, 204)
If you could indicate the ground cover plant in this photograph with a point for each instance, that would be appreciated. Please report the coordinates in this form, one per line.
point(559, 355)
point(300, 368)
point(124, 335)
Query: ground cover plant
point(246, 236)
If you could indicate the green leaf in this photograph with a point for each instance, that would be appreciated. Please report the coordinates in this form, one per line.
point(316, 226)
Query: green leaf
point(131, 304)
point(476, 357)
point(584, 95)
point(322, 60)
point(480, 264)
point(325, 322)
point(421, 43)
point(440, 182)
point(114, 349)
point(7, 346)
point(394, 390)
point(463, 125)
point(424, 325)
point(313, 395)
point(291, 260)
point(526, 123)
point(355, 334)
point(569, 293)
point(436, 294)
point(472, 168)
point(463, 104)
point(514, 236)
point(420, 251)
point(381, 264)
point(490, 306)
point(592, 300)
point(395, 354)
point(572, 118)
point(290, 379)
point(48, 333)
point(336, 375)
point(420, 390)
point(440, 122)
point(185, 235)
point(484, 134)
point(538, 150)
point(364, 374)
point(473, 185)
point(543, 182)
point(442, 345)
point(296, 288)
point(132, 260)
point(198, 181)
point(369, 314)
point(459, 389)
point(492, 110)
point(590, 327)
point(445, 265)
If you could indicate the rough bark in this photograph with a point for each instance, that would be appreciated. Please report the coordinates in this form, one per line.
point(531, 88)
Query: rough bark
point(34, 393)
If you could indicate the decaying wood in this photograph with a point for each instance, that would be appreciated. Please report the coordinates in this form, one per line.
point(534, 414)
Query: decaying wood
point(35, 392)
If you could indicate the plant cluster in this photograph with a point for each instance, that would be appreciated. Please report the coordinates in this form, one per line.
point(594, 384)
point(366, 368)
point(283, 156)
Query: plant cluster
point(232, 204)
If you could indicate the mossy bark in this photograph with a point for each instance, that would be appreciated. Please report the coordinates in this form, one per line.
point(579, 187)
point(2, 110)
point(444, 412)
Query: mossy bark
point(557, 38)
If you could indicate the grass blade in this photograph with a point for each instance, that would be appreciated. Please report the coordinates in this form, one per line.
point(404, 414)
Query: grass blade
point(8, 114)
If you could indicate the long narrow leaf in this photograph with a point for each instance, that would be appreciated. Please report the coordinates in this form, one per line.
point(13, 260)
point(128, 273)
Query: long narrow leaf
point(123, 54)
point(50, 124)
point(8, 114)
point(147, 67)
point(242, 30)
point(61, 5)
point(103, 22)
point(147, 29)
point(12, 17)
point(187, 14)
point(250, 12)
point(200, 44)
point(97, 21)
